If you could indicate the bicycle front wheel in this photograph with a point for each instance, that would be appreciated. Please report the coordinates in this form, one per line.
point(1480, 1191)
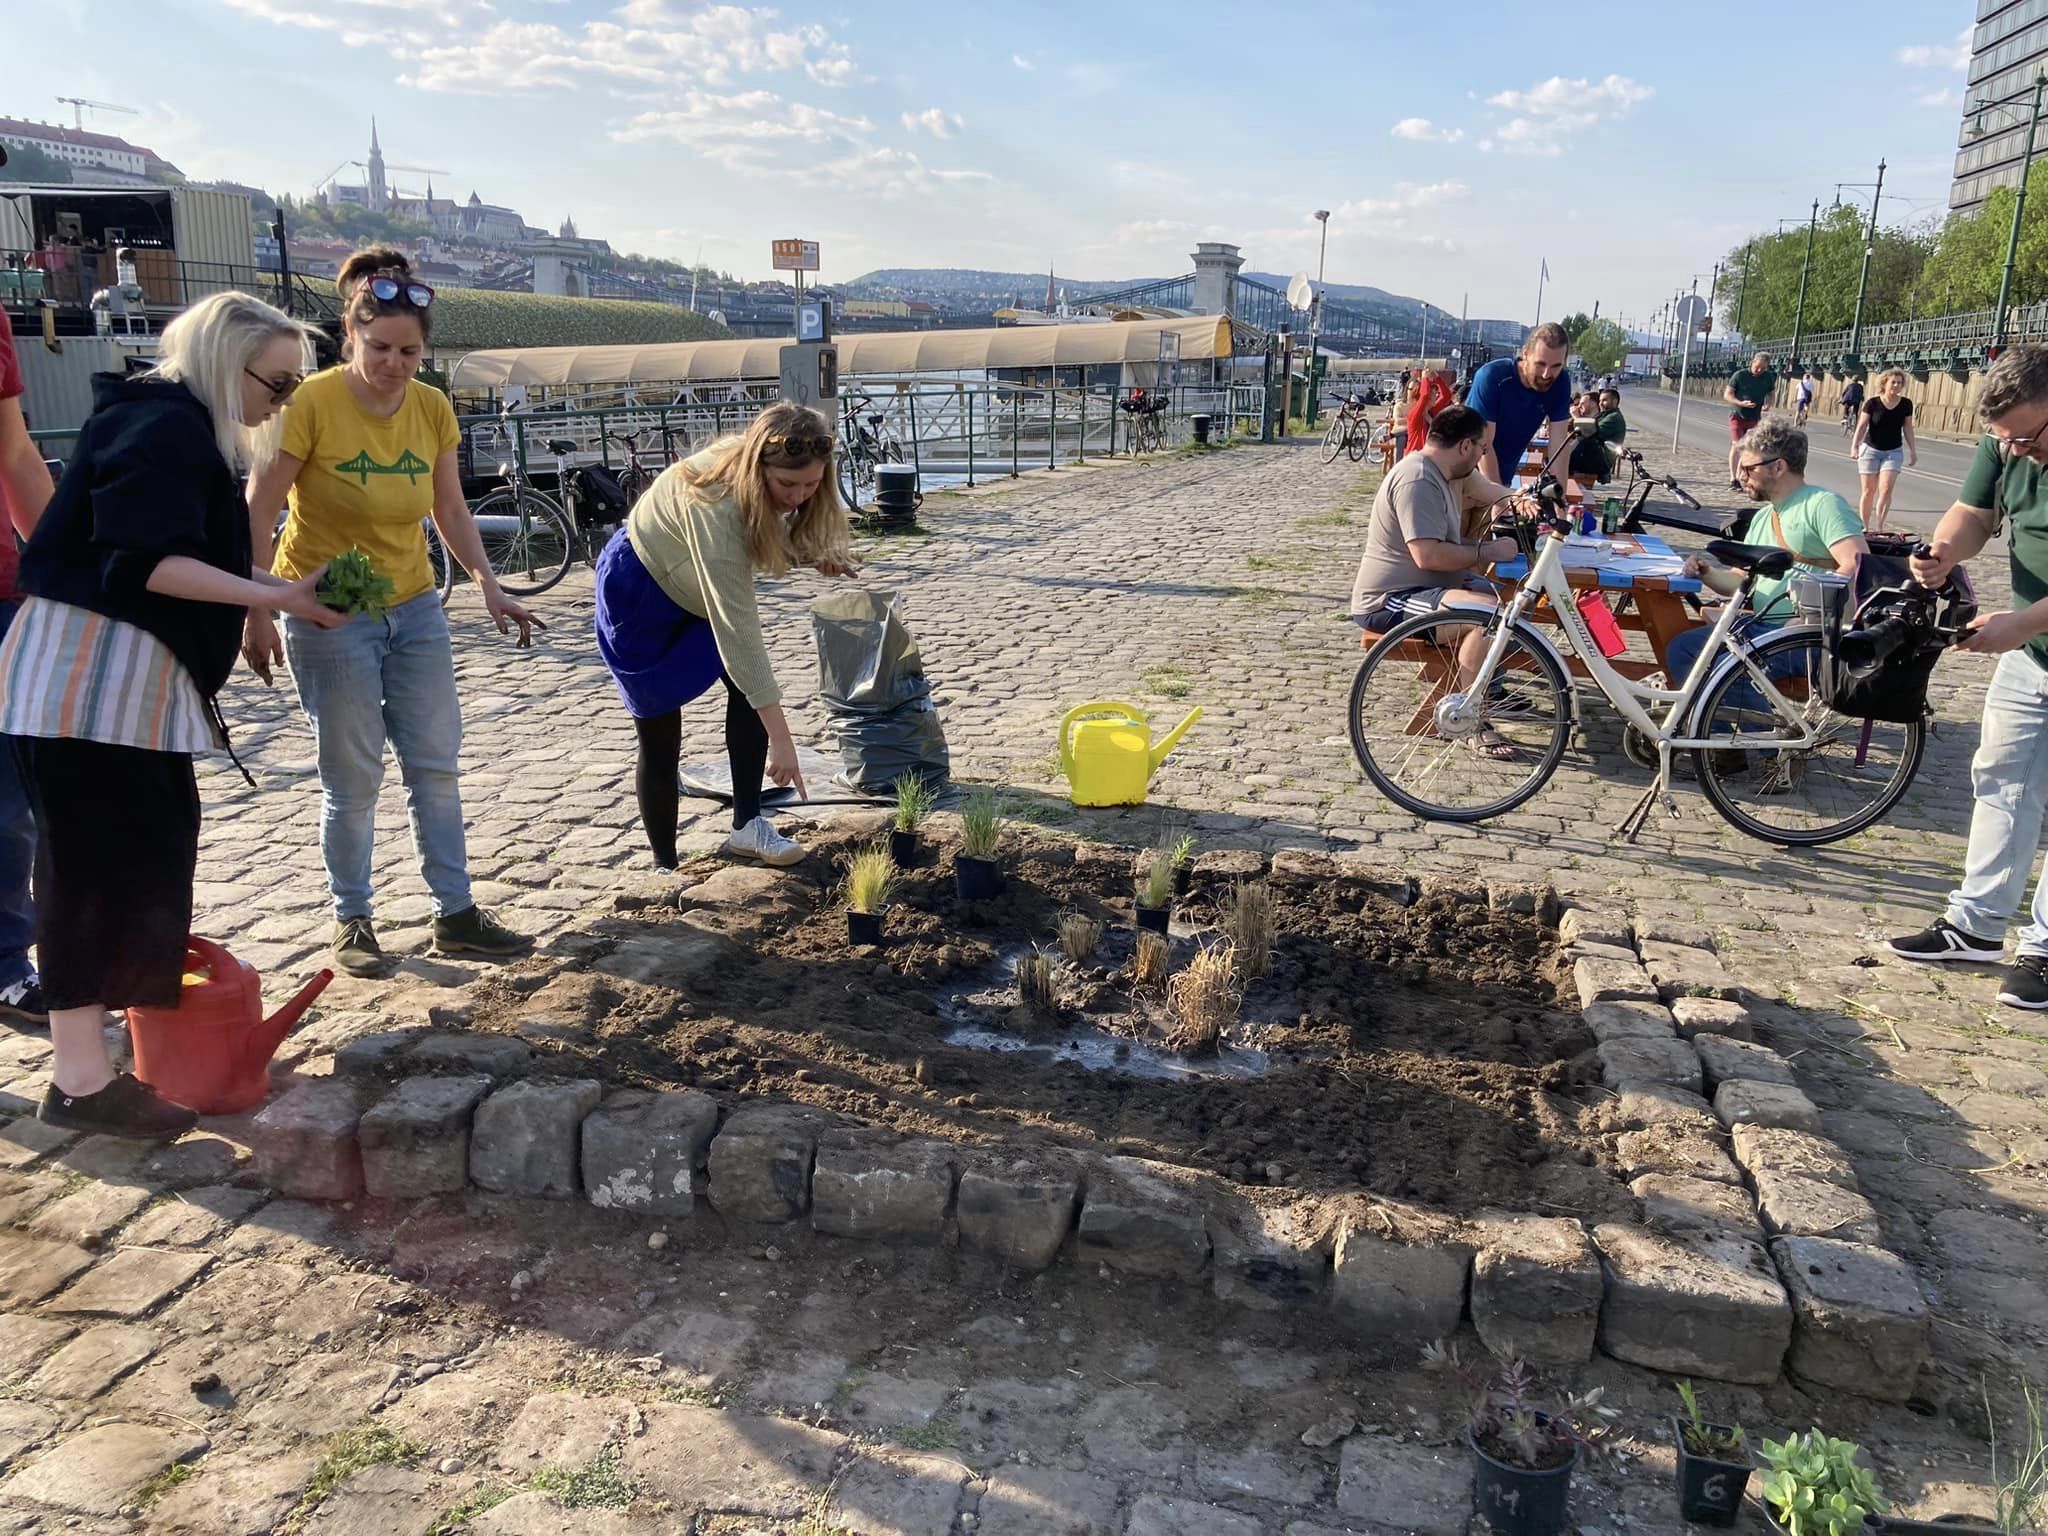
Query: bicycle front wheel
point(1848, 776)
point(1336, 438)
point(439, 561)
point(1441, 753)
point(527, 541)
point(1359, 444)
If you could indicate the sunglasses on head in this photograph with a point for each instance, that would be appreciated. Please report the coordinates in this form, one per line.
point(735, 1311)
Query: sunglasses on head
point(796, 447)
point(390, 285)
point(281, 388)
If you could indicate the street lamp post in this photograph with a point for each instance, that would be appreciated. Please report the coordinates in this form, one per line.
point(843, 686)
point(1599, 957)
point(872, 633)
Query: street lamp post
point(1315, 317)
point(1863, 280)
point(1799, 309)
point(1742, 293)
point(2019, 207)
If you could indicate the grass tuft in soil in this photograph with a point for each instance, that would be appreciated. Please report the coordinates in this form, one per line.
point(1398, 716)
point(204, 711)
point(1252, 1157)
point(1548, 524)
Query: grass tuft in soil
point(1249, 920)
point(1080, 936)
point(1203, 1001)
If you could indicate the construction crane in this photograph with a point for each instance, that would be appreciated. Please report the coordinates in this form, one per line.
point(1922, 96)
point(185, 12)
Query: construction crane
point(78, 105)
point(421, 170)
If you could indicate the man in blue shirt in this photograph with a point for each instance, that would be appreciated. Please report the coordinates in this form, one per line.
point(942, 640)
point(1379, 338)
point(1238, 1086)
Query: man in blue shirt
point(1517, 395)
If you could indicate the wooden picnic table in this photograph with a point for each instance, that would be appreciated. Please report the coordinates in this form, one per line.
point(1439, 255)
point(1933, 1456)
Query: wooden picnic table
point(1652, 606)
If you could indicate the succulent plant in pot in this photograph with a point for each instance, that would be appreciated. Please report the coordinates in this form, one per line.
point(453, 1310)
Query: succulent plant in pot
point(915, 798)
point(1815, 1486)
point(1155, 889)
point(975, 875)
point(870, 882)
point(1522, 1453)
point(1183, 864)
point(1713, 1464)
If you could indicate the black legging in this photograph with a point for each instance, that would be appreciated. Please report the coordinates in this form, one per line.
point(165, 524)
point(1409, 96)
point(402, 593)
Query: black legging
point(661, 756)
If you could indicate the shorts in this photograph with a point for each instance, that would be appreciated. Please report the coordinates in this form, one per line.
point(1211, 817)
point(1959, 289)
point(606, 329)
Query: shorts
point(114, 865)
point(1409, 601)
point(1871, 461)
point(1738, 429)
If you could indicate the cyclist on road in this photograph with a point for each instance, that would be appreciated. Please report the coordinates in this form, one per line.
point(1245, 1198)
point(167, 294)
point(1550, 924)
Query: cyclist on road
point(2009, 774)
point(1805, 397)
point(1852, 403)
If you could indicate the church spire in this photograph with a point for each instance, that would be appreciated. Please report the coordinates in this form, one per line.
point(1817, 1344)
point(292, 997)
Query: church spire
point(373, 137)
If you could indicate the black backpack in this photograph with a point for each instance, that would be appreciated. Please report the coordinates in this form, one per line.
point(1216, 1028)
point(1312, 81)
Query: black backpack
point(1892, 633)
point(600, 499)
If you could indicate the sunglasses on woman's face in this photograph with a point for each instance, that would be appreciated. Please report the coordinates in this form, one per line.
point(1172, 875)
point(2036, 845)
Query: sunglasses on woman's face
point(281, 388)
point(796, 448)
point(388, 287)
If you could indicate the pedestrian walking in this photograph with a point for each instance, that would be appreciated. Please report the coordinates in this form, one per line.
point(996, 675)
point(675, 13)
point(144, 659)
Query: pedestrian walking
point(135, 584)
point(1749, 391)
point(2004, 487)
point(676, 613)
point(368, 454)
point(1882, 445)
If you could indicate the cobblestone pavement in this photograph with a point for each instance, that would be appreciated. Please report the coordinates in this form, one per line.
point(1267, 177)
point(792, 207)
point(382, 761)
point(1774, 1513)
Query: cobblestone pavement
point(178, 1350)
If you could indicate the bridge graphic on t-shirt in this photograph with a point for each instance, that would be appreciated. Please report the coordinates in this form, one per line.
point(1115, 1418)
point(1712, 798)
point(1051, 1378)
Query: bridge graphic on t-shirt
point(362, 466)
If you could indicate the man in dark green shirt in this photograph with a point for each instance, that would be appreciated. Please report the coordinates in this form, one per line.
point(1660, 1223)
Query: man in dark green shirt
point(2010, 771)
point(1749, 391)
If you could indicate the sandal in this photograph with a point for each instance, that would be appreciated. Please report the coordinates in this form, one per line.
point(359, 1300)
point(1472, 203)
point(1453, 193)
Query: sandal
point(1490, 744)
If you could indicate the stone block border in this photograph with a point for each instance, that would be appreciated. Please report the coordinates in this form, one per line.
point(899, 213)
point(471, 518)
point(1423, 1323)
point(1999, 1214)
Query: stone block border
point(1753, 1252)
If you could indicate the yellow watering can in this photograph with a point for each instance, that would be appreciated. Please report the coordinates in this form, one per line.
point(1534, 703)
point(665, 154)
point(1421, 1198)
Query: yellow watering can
point(1111, 761)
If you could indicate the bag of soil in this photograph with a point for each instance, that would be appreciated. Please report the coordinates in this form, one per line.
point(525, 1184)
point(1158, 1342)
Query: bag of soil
point(874, 689)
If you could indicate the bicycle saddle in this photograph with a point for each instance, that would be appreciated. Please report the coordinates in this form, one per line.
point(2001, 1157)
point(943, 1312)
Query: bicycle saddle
point(560, 445)
point(1765, 560)
point(874, 418)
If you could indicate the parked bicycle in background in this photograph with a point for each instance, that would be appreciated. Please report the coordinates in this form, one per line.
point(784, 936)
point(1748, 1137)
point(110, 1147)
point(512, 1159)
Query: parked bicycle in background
point(865, 441)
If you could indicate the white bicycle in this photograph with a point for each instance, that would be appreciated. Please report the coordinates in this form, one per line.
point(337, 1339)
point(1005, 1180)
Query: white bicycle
point(1769, 752)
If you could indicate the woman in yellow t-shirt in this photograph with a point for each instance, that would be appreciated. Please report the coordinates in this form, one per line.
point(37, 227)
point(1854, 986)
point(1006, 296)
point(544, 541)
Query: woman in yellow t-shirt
point(368, 454)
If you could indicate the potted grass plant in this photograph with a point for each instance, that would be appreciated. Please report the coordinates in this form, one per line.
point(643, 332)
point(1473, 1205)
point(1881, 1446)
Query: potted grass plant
point(1154, 883)
point(975, 875)
point(1713, 1464)
point(1815, 1486)
point(870, 881)
point(915, 798)
point(1523, 1454)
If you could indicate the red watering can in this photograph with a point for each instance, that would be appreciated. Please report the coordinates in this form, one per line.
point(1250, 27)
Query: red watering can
point(212, 1052)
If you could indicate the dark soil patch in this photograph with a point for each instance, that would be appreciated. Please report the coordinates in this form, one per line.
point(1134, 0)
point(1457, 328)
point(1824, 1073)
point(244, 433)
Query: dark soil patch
point(1424, 1052)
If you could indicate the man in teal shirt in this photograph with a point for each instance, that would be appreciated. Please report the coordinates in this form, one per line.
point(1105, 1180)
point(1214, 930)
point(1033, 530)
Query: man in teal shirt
point(1815, 524)
point(1749, 391)
point(2009, 774)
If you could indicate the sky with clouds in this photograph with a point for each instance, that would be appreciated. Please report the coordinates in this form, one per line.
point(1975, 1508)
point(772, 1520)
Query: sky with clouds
point(1628, 145)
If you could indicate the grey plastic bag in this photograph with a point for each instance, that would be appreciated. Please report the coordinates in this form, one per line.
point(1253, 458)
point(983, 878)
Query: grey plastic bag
point(872, 682)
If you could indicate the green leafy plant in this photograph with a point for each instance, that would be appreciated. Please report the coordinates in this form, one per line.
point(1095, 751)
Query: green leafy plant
point(352, 585)
point(2023, 1497)
point(1704, 1439)
point(915, 798)
point(1817, 1487)
point(870, 880)
point(1155, 879)
point(1510, 1426)
point(1183, 850)
point(981, 824)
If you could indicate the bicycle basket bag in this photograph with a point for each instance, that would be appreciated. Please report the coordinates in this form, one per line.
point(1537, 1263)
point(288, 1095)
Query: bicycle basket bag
point(600, 499)
point(1895, 689)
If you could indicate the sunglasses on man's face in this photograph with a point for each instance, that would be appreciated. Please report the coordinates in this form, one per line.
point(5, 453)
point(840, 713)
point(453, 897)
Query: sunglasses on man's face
point(1750, 469)
point(281, 388)
point(796, 448)
point(2023, 444)
point(388, 287)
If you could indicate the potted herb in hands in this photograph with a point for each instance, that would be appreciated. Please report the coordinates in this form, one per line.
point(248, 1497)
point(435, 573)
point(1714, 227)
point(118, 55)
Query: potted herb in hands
point(1155, 890)
point(1816, 1486)
point(975, 876)
point(870, 880)
point(915, 798)
point(1713, 1465)
point(1523, 1455)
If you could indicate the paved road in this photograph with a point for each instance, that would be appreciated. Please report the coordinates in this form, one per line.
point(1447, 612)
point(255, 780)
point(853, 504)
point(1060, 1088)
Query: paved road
point(1923, 493)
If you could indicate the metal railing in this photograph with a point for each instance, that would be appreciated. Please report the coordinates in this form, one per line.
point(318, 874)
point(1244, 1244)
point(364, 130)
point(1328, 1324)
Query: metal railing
point(66, 278)
point(965, 433)
point(1944, 342)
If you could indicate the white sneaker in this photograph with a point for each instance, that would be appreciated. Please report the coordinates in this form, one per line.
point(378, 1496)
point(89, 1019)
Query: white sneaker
point(758, 839)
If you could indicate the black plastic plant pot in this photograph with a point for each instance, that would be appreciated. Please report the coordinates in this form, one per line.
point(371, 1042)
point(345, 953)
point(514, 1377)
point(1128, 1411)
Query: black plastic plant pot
point(1183, 879)
point(1517, 1501)
point(864, 927)
point(1153, 919)
point(1948, 1525)
point(1709, 1490)
point(977, 879)
point(902, 849)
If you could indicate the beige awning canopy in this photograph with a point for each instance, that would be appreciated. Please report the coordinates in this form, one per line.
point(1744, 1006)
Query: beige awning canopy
point(1021, 346)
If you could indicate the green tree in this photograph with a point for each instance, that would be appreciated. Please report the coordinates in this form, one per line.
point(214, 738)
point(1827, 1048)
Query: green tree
point(1767, 300)
point(1575, 324)
point(1602, 346)
point(27, 163)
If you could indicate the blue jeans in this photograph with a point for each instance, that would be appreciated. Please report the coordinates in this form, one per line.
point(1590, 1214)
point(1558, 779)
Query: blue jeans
point(17, 854)
point(368, 682)
point(2009, 776)
point(1684, 649)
